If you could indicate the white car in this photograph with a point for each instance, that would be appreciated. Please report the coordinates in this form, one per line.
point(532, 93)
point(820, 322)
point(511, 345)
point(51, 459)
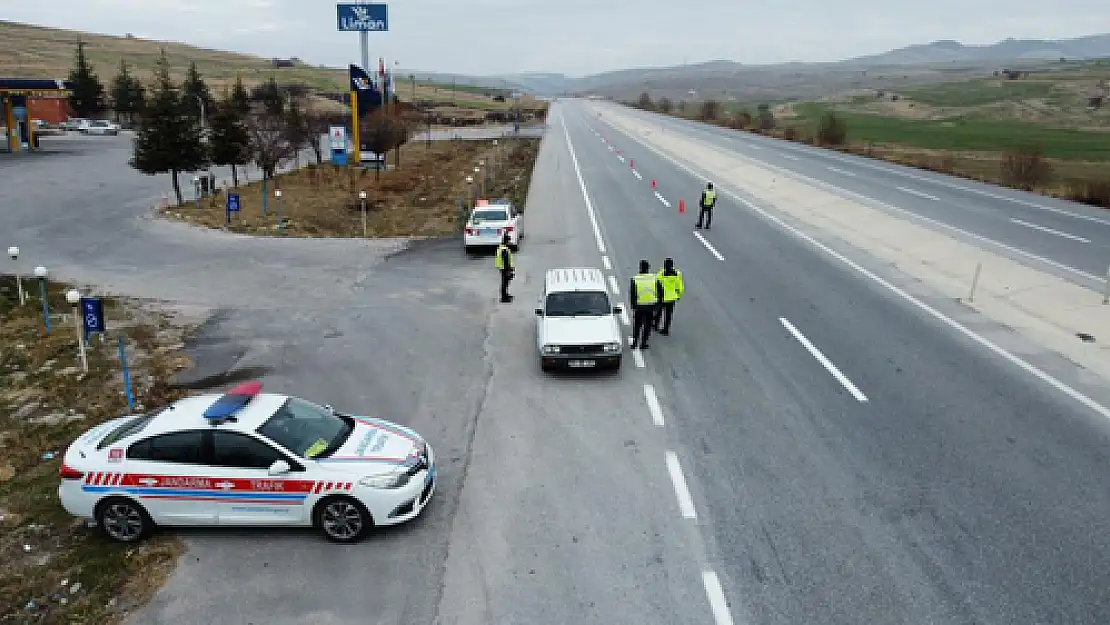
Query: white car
point(76, 123)
point(577, 324)
point(247, 458)
point(101, 127)
point(488, 222)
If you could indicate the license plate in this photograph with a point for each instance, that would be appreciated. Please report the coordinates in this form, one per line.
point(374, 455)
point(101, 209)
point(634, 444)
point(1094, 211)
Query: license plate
point(582, 363)
point(487, 232)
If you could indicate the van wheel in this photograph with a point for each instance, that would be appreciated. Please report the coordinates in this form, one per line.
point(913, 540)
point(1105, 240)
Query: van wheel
point(123, 520)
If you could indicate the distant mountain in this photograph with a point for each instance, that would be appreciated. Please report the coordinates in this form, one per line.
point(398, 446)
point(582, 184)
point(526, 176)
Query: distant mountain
point(947, 51)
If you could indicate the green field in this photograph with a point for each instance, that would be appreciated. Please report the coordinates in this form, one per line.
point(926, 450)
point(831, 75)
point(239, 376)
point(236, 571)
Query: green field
point(980, 92)
point(989, 135)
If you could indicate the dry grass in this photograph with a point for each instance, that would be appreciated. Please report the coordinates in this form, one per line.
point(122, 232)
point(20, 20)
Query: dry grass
point(419, 198)
point(39, 52)
point(45, 403)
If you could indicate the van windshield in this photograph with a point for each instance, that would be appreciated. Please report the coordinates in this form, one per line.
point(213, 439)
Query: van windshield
point(578, 304)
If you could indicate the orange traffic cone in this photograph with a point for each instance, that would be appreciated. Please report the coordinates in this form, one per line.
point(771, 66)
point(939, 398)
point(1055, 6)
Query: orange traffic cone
point(653, 183)
point(632, 161)
point(682, 206)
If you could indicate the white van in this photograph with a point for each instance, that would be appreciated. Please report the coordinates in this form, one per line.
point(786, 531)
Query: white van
point(576, 324)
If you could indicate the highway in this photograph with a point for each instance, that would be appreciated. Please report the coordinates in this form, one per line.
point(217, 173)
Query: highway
point(849, 459)
point(1071, 239)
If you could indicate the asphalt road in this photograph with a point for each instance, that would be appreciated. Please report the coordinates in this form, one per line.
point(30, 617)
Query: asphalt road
point(961, 490)
point(1069, 238)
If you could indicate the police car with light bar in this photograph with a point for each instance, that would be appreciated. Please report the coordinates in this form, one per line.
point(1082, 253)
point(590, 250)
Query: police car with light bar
point(489, 222)
point(247, 458)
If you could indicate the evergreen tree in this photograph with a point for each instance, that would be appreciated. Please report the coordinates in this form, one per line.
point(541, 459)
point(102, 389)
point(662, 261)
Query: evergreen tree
point(297, 131)
point(168, 140)
point(240, 101)
point(87, 96)
point(128, 93)
point(195, 91)
point(230, 140)
point(269, 94)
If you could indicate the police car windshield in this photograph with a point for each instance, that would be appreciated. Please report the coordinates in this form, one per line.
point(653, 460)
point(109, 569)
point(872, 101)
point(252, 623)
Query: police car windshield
point(495, 214)
point(306, 429)
point(578, 303)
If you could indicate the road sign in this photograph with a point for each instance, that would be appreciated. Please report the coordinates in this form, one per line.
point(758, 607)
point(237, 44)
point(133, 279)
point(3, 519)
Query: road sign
point(337, 136)
point(362, 17)
point(339, 157)
point(92, 313)
point(233, 202)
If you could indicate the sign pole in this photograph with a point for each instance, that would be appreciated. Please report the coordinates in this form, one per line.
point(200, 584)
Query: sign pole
point(355, 135)
point(364, 43)
point(78, 320)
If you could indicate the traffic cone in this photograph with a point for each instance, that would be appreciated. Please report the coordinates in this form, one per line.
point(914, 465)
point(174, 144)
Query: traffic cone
point(653, 183)
point(681, 206)
point(632, 162)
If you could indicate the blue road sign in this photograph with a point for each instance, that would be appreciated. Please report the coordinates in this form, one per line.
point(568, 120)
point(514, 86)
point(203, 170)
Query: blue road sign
point(339, 157)
point(233, 202)
point(362, 17)
point(92, 313)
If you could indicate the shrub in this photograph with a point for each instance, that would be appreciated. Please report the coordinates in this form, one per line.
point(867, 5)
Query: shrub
point(645, 102)
point(1093, 192)
point(790, 133)
point(832, 130)
point(710, 110)
point(1026, 168)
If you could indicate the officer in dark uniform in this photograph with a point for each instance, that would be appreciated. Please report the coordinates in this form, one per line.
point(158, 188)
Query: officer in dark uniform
point(645, 291)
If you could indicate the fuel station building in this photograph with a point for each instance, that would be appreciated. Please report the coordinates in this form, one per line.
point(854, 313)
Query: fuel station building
point(17, 97)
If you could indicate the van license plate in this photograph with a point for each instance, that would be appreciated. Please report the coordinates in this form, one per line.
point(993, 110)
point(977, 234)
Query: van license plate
point(582, 363)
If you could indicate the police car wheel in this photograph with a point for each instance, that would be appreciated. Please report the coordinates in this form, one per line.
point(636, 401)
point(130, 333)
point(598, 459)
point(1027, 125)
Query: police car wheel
point(123, 520)
point(343, 519)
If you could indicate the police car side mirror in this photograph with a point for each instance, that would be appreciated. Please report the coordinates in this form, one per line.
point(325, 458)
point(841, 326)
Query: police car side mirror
point(329, 408)
point(617, 310)
point(539, 311)
point(279, 467)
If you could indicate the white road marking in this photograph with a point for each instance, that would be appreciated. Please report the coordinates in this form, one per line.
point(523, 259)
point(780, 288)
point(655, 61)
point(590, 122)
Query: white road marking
point(829, 366)
point(638, 358)
point(709, 246)
point(755, 147)
point(605, 261)
point(918, 193)
point(613, 286)
point(620, 158)
point(624, 318)
point(716, 595)
point(662, 199)
point(1050, 231)
point(789, 157)
point(582, 186)
point(840, 171)
point(681, 491)
point(653, 405)
point(610, 147)
point(637, 174)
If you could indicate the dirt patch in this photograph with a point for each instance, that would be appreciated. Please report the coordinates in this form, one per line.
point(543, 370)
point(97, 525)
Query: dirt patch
point(420, 198)
point(56, 570)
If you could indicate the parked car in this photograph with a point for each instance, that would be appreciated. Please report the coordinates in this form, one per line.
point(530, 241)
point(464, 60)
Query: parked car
point(101, 127)
point(76, 123)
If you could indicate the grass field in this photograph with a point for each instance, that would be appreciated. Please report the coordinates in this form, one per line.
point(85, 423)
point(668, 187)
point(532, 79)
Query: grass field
point(36, 52)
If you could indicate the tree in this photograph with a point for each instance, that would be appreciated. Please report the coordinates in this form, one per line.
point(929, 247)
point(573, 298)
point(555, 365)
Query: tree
point(230, 142)
point(317, 127)
point(268, 146)
point(167, 140)
point(194, 92)
point(379, 133)
point(645, 101)
point(239, 99)
point(270, 96)
point(832, 130)
point(665, 106)
point(710, 110)
point(766, 117)
point(87, 96)
point(297, 131)
point(128, 93)
point(1026, 167)
point(402, 130)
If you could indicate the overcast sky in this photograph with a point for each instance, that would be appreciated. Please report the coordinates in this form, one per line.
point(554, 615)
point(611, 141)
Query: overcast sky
point(574, 37)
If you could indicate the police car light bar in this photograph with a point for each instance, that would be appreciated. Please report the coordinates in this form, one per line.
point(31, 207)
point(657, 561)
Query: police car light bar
point(232, 401)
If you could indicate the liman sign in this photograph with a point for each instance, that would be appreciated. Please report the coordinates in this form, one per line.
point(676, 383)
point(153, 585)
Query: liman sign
point(362, 17)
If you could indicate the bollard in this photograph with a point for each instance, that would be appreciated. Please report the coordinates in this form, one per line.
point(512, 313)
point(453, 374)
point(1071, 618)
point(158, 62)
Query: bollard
point(632, 163)
point(974, 282)
point(681, 206)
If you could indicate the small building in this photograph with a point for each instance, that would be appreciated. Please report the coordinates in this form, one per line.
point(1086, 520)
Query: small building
point(15, 110)
point(53, 111)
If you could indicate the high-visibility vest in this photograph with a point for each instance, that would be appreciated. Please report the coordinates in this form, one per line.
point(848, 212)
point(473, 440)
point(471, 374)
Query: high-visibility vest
point(672, 285)
point(645, 288)
point(707, 198)
point(497, 262)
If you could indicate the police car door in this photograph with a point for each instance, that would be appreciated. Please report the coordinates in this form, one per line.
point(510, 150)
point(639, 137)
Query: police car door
point(253, 496)
point(168, 475)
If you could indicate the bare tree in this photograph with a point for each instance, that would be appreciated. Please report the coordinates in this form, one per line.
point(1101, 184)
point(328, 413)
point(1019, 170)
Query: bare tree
point(665, 106)
point(710, 110)
point(269, 146)
point(380, 133)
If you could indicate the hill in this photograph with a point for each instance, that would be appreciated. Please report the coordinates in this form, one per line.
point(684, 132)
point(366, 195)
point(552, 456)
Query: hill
point(1091, 47)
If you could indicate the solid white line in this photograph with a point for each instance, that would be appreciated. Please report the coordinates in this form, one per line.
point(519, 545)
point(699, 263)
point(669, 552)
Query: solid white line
point(840, 171)
point(918, 193)
point(638, 358)
point(1049, 230)
point(653, 405)
point(613, 285)
point(637, 174)
point(936, 314)
point(754, 147)
point(605, 261)
point(582, 185)
point(716, 594)
point(685, 501)
point(624, 318)
point(829, 366)
point(709, 246)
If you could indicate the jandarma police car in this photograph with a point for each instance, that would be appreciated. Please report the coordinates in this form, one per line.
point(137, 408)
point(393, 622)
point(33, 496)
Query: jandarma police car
point(247, 458)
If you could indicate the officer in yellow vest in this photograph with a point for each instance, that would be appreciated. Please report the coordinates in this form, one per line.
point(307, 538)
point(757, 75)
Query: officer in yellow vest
point(646, 291)
point(504, 263)
point(708, 201)
point(672, 292)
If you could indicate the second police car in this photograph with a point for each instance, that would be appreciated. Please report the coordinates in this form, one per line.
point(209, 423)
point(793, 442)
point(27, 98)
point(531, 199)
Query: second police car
point(489, 222)
point(247, 458)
